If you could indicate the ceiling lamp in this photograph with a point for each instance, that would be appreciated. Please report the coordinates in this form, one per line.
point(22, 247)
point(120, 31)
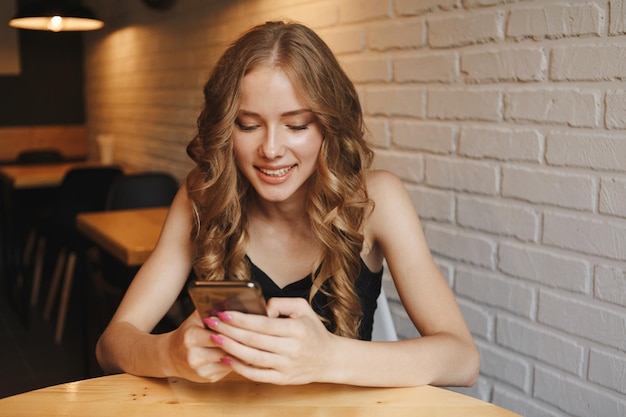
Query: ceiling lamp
point(56, 17)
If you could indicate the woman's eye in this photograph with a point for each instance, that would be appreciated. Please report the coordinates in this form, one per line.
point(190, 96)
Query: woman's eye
point(298, 127)
point(244, 127)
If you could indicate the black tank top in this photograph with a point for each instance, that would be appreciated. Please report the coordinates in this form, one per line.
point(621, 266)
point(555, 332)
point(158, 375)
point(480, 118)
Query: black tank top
point(367, 284)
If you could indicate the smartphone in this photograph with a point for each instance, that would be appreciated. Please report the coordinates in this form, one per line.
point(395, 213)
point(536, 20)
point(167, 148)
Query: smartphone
point(211, 297)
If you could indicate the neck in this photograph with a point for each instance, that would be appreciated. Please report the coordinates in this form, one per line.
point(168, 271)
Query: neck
point(287, 212)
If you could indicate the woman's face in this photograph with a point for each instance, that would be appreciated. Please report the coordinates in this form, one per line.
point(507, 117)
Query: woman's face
point(277, 138)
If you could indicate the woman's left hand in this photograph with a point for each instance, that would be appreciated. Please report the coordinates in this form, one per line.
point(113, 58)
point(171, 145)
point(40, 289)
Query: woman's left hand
point(289, 346)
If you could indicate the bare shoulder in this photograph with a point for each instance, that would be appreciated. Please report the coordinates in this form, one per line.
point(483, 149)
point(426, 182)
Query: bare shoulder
point(392, 203)
point(382, 185)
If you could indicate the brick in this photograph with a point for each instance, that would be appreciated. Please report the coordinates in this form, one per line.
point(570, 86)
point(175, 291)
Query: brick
point(550, 187)
point(586, 150)
point(504, 366)
point(463, 104)
point(509, 65)
point(545, 267)
point(377, 133)
point(466, 247)
point(462, 175)
point(414, 7)
point(442, 67)
point(545, 345)
point(498, 218)
point(585, 234)
point(355, 11)
point(555, 21)
point(610, 284)
point(344, 40)
point(316, 15)
point(615, 109)
point(613, 196)
point(478, 318)
point(502, 144)
point(617, 21)
point(397, 35)
point(466, 29)
point(574, 396)
point(368, 69)
point(521, 404)
point(608, 369)
point(470, 4)
point(423, 136)
point(497, 291)
point(409, 167)
point(561, 106)
point(580, 63)
point(396, 101)
point(432, 204)
point(584, 318)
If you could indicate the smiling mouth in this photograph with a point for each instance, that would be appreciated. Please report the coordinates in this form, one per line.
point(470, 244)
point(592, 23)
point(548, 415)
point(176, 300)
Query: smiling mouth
point(276, 172)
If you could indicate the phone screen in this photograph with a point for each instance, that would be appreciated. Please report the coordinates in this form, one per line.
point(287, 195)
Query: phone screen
point(211, 297)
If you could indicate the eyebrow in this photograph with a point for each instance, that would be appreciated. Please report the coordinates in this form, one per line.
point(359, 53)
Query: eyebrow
point(244, 112)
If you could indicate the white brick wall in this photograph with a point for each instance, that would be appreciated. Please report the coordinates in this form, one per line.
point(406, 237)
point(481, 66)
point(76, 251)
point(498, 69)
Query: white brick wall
point(505, 118)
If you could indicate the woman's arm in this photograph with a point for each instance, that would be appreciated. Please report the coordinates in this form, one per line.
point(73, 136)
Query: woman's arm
point(127, 345)
point(445, 354)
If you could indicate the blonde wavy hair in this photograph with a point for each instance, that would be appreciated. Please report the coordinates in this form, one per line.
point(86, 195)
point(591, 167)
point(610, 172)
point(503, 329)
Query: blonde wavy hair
point(337, 198)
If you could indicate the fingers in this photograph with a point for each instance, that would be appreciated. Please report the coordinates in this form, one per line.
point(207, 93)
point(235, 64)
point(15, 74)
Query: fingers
point(207, 363)
point(288, 307)
point(198, 353)
point(282, 348)
point(264, 342)
point(265, 375)
point(213, 372)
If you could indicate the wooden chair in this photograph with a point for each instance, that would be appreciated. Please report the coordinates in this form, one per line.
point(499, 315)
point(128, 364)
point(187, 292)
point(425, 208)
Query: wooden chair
point(35, 207)
point(40, 156)
point(82, 190)
point(141, 190)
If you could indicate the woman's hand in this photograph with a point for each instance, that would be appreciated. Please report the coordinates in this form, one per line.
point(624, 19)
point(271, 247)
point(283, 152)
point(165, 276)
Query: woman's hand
point(290, 346)
point(193, 354)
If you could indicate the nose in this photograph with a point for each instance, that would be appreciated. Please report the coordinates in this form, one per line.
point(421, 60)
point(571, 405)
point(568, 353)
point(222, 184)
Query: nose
point(272, 146)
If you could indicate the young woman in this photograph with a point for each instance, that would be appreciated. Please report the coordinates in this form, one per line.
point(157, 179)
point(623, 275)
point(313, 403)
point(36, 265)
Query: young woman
point(281, 193)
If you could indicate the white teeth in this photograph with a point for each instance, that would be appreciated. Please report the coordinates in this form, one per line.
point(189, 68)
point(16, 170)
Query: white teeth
point(275, 172)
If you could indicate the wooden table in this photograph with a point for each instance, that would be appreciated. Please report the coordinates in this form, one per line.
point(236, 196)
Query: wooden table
point(127, 395)
point(130, 235)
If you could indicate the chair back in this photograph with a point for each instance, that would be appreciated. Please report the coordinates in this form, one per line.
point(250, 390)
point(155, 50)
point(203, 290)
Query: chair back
point(150, 189)
point(40, 156)
point(384, 329)
point(82, 190)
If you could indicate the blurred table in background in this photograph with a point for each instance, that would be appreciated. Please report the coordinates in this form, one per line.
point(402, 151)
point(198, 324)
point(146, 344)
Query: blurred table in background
point(129, 235)
point(18, 177)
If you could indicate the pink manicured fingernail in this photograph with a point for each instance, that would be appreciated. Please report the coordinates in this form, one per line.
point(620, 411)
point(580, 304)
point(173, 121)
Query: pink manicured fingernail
point(226, 360)
point(224, 316)
point(211, 322)
point(217, 339)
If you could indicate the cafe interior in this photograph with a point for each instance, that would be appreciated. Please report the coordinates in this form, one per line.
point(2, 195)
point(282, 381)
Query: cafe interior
point(52, 311)
point(96, 110)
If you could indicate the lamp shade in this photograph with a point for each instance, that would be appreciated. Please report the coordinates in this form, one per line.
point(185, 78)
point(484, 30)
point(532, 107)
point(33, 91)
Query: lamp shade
point(55, 17)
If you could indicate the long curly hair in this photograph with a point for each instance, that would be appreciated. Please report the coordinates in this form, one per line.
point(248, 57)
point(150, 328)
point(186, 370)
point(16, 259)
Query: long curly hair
point(337, 202)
